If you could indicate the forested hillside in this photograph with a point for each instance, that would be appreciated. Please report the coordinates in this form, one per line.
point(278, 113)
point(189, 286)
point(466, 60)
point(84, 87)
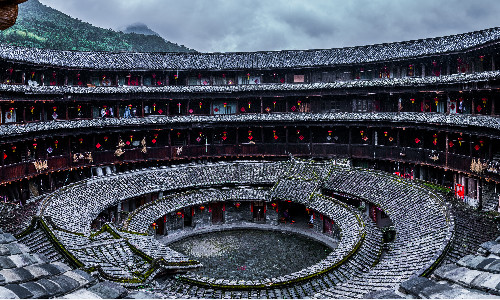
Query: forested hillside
point(40, 26)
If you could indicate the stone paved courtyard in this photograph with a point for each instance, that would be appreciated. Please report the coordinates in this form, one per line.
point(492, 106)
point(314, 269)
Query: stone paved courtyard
point(251, 254)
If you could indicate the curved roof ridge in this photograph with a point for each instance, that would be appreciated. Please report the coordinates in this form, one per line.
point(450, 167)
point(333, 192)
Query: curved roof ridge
point(100, 60)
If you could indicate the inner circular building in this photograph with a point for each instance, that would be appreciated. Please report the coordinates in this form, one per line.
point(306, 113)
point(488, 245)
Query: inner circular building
point(359, 172)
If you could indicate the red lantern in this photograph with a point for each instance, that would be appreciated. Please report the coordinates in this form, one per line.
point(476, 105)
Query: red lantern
point(32, 108)
point(237, 204)
point(34, 145)
point(202, 208)
point(54, 108)
point(80, 140)
point(412, 100)
point(249, 104)
point(56, 142)
point(299, 102)
point(200, 104)
point(106, 138)
point(14, 148)
point(131, 136)
point(385, 133)
point(361, 132)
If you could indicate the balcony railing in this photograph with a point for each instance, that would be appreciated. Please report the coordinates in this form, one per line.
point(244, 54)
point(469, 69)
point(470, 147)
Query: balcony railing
point(417, 156)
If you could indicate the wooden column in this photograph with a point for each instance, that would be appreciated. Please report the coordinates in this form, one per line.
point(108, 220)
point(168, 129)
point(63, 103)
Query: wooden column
point(470, 146)
point(68, 151)
point(490, 149)
point(43, 117)
point(117, 111)
point(446, 151)
point(142, 109)
point(398, 141)
point(286, 138)
point(261, 105)
point(447, 104)
point(349, 147)
point(473, 107)
point(310, 140)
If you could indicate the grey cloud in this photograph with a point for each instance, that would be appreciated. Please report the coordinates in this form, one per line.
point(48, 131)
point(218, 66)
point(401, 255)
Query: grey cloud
point(226, 26)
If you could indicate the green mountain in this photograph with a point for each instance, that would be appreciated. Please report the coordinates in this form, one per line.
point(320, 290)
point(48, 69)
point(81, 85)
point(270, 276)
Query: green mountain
point(139, 28)
point(40, 26)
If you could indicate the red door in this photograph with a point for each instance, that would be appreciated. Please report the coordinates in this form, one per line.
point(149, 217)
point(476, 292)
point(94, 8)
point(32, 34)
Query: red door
point(217, 212)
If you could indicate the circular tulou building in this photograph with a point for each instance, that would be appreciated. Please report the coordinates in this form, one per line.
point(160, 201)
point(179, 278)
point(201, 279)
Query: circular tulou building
point(360, 172)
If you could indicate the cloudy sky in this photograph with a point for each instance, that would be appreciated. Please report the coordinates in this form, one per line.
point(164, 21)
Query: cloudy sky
point(242, 25)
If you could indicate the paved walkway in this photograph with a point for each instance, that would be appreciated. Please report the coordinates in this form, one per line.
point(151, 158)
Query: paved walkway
point(300, 228)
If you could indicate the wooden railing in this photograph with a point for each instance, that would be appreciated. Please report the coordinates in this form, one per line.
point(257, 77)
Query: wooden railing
point(389, 153)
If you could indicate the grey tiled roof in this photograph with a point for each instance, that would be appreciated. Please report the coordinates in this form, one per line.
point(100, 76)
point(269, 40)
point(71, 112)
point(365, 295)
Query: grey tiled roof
point(250, 60)
point(31, 275)
point(481, 121)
